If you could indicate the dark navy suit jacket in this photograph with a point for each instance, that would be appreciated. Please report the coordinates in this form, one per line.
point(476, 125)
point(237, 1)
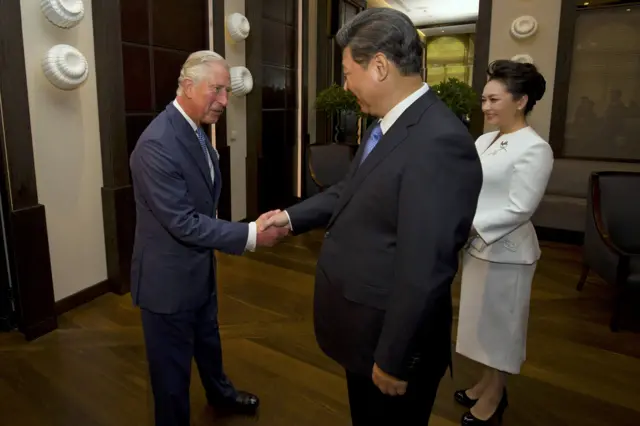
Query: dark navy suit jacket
point(173, 266)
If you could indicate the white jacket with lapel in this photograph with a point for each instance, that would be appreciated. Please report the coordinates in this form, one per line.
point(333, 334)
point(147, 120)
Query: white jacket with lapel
point(516, 168)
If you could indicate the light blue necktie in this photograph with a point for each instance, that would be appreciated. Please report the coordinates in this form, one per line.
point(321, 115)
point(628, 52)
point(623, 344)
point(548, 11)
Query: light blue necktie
point(374, 138)
point(203, 144)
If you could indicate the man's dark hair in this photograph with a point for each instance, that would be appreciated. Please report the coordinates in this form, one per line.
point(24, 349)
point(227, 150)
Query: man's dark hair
point(386, 31)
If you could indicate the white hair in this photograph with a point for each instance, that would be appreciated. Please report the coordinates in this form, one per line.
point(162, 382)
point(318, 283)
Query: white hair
point(195, 67)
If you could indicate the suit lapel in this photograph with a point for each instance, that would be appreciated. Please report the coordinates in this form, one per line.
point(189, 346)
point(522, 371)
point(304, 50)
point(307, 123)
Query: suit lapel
point(390, 141)
point(190, 141)
point(216, 169)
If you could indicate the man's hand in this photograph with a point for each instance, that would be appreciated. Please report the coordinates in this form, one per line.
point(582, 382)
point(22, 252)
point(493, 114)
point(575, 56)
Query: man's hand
point(262, 221)
point(276, 218)
point(387, 384)
point(268, 235)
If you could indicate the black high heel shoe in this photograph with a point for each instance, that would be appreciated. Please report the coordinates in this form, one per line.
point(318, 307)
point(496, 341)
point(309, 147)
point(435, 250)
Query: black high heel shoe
point(463, 399)
point(469, 419)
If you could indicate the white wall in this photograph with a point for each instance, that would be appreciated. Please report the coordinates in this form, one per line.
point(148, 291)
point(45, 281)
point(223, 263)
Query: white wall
point(66, 142)
point(236, 117)
point(542, 47)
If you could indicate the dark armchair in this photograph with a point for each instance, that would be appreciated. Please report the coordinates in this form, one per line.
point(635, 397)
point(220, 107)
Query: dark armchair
point(612, 237)
point(329, 164)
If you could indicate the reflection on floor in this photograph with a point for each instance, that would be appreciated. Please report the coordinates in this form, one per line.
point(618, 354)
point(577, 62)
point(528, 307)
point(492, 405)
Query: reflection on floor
point(92, 371)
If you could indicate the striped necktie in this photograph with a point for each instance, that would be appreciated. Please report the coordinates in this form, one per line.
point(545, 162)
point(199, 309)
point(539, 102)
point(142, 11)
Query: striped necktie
point(203, 144)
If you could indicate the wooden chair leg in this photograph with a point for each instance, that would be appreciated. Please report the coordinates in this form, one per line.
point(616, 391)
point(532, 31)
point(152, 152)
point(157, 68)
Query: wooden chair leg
point(583, 277)
point(615, 318)
point(617, 307)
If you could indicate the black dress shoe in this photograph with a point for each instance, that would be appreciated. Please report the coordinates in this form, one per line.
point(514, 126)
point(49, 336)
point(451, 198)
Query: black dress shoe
point(245, 404)
point(463, 399)
point(469, 419)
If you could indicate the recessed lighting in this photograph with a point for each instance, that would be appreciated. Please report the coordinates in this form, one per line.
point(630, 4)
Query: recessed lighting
point(586, 3)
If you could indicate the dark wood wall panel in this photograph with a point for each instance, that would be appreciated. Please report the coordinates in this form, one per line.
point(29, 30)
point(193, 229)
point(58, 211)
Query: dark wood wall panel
point(27, 228)
point(166, 67)
point(324, 75)
point(117, 194)
point(224, 206)
point(7, 310)
point(480, 63)
point(568, 16)
point(254, 47)
point(140, 46)
point(272, 106)
point(152, 61)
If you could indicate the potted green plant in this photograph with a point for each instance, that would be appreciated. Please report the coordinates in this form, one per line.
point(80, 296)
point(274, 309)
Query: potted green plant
point(459, 97)
point(334, 101)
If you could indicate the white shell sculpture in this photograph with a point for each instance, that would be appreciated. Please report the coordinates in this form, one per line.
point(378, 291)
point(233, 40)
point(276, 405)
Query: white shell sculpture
point(523, 58)
point(524, 27)
point(65, 67)
point(63, 13)
point(238, 26)
point(241, 81)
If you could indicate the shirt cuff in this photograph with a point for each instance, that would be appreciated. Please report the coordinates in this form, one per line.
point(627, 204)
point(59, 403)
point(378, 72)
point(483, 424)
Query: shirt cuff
point(251, 238)
point(289, 219)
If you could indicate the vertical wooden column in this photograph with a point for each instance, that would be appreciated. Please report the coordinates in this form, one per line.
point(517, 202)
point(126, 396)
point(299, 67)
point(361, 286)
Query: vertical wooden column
point(223, 148)
point(140, 46)
point(27, 227)
point(118, 207)
point(480, 63)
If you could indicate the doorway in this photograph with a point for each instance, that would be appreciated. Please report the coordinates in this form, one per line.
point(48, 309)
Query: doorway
point(279, 104)
point(272, 106)
point(7, 305)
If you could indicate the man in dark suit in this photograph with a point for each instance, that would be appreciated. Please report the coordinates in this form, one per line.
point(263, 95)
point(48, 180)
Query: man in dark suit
point(177, 182)
point(394, 227)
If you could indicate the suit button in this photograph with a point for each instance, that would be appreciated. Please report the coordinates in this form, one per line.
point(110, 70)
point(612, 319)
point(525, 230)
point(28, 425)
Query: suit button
point(326, 234)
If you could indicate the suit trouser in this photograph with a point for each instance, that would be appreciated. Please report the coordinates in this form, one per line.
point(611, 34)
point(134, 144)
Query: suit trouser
point(370, 407)
point(172, 341)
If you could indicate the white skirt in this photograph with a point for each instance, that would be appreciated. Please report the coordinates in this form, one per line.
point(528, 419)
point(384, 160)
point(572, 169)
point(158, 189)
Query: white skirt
point(494, 313)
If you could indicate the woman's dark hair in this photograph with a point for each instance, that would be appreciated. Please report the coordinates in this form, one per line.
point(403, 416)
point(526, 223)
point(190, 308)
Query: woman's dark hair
point(520, 79)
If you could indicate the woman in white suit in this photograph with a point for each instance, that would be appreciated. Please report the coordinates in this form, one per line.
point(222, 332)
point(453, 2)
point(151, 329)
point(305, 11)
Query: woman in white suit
point(501, 257)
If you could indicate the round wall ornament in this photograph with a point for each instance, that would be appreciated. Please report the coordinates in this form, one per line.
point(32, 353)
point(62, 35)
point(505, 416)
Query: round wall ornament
point(63, 13)
point(524, 27)
point(65, 67)
point(238, 26)
point(241, 81)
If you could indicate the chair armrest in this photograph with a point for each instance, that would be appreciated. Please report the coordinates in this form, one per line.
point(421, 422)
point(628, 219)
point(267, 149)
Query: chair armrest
point(624, 258)
point(602, 229)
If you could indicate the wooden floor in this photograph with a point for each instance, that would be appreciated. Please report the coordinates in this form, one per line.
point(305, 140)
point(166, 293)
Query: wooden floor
point(92, 371)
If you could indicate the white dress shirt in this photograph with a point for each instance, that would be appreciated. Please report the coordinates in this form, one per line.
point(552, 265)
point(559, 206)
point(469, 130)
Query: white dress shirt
point(251, 238)
point(395, 112)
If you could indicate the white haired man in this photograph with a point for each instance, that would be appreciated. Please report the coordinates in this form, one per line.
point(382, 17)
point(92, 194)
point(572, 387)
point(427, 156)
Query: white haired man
point(177, 182)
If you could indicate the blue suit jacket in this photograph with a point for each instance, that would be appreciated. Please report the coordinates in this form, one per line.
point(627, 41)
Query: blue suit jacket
point(173, 266)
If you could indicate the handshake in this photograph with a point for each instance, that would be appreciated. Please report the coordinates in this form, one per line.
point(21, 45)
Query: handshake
point(272, 227)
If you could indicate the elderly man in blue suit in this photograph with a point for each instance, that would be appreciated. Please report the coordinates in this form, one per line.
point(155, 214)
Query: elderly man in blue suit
point(177, 182)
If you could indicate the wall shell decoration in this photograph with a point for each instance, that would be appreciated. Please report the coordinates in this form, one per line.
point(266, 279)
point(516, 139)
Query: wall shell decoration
point(238, 26)
point(241, 81)
point(63, 13)
point(65, 67)
point(524, 27)
point(523, 58)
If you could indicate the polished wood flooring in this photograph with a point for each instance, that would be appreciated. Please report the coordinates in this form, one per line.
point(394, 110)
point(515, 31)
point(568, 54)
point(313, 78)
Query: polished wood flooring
point(92, 371)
